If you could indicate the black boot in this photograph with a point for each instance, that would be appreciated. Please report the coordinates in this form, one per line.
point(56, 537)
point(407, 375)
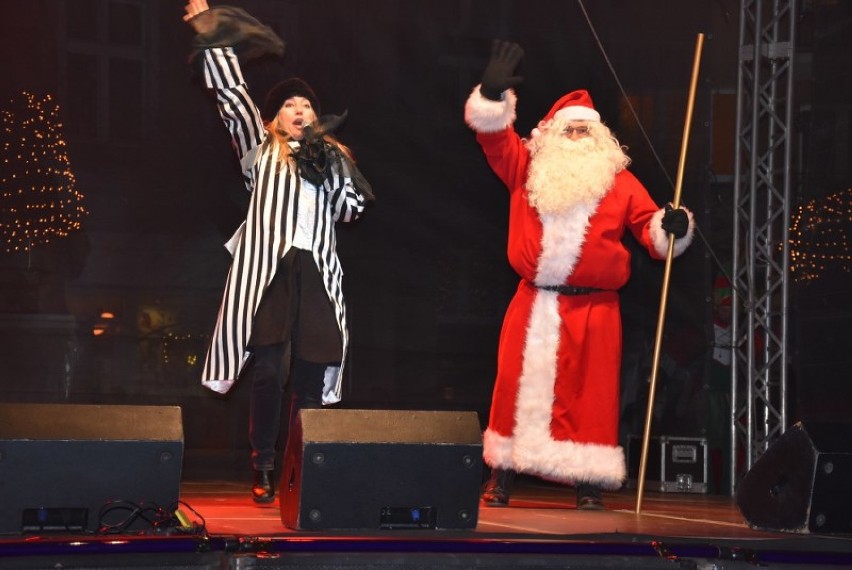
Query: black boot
point(589, 497)
point(496, 491)
point(263, 490)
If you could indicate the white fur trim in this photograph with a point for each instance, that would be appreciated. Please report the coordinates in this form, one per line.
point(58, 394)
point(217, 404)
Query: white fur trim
point(486, 116)
point(497, 450)
point(577, 113)
point(562, 239)
point(571, 462)
point(660, 238)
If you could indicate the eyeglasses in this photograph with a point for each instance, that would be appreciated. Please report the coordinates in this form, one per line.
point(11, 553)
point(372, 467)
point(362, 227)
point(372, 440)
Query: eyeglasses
point(584, 130)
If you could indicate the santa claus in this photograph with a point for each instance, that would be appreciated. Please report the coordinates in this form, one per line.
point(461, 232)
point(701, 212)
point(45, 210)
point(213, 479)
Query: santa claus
point(554, 411)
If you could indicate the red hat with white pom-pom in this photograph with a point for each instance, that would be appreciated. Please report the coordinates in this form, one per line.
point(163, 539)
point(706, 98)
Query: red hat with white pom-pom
point(575, 106)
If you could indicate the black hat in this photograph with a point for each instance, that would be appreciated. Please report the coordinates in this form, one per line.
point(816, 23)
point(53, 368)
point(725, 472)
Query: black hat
point(292, 87)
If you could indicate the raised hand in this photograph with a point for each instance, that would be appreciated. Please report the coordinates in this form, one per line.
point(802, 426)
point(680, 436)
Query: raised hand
point(499, 72)
point(202, 24)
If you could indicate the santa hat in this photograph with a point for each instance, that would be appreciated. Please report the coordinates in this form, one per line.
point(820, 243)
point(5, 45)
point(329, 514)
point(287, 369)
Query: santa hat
point(722, 290)
point(292, 87)
point(575, 106)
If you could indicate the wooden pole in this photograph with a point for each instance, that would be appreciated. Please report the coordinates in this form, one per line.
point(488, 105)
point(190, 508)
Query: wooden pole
point(661, 318)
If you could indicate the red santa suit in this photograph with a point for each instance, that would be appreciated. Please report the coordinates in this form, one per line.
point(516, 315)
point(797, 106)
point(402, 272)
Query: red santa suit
point(554, 411)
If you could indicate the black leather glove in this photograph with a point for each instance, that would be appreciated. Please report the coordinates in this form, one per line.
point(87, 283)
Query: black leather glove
point(498, 75)
point(675, 222)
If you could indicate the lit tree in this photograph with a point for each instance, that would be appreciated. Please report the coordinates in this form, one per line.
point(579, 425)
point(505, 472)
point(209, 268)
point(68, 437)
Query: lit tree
point(39, 201)
point(820, 237)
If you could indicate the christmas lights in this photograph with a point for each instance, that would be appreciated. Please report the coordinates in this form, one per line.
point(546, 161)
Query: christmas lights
point(819, 239)
point(183, 347)
point(39, 201)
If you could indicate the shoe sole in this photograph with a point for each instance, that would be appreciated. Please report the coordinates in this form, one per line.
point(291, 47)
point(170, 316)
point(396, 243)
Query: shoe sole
point(493, 503)
point(591, 507)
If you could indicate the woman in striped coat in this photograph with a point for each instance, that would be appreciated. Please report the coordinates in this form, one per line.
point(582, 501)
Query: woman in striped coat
point(283, 293)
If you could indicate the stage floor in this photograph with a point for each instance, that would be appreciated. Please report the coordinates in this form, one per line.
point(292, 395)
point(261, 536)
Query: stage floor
point(540, 529)
point(538, 511)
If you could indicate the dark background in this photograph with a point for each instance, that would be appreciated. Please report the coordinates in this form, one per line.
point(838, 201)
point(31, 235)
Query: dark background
point(426, 277)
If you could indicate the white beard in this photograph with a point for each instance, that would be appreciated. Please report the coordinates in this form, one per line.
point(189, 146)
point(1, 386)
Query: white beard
point(564, 173)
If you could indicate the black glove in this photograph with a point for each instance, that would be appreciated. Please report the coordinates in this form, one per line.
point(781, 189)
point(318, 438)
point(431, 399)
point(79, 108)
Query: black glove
point(222, 26)
point(675, 222)
point(312, 159)
point(497, 76)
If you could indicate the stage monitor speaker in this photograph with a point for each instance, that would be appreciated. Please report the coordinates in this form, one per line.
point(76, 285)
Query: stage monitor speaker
point(802, 482)
point(382, 469)
point(62, 464)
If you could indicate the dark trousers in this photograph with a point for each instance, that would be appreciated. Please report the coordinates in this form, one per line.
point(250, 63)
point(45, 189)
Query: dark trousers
point(295, 316)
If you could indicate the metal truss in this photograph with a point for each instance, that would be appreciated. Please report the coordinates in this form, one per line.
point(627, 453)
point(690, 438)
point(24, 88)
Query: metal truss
point(762, 189)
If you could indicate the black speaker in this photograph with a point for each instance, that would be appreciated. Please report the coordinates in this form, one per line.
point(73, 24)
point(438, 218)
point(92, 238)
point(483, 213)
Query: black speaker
point(61, 464)
point(802, 482)
point(382, 469)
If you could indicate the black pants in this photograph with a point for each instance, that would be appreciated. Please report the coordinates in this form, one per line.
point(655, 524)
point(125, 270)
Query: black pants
point(295, 316)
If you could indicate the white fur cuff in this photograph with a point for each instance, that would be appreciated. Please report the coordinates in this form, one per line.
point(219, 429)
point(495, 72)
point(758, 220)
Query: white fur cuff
point(660, 237)
point(486, 116)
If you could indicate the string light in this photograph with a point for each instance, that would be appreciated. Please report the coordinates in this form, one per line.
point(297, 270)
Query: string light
point(39, 201)
point(819, 239)
point(176, 345)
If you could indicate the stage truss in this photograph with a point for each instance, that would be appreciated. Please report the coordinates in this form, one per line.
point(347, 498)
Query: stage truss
point(762, 191)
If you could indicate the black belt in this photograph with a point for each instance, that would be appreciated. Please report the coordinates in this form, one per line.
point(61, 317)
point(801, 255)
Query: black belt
point(570, 289)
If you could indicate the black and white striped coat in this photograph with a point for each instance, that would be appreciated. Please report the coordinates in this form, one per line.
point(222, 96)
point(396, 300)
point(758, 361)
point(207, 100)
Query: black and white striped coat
point(268, 231)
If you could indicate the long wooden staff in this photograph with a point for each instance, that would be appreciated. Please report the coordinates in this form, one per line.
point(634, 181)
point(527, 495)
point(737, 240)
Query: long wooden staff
point(661, 318)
